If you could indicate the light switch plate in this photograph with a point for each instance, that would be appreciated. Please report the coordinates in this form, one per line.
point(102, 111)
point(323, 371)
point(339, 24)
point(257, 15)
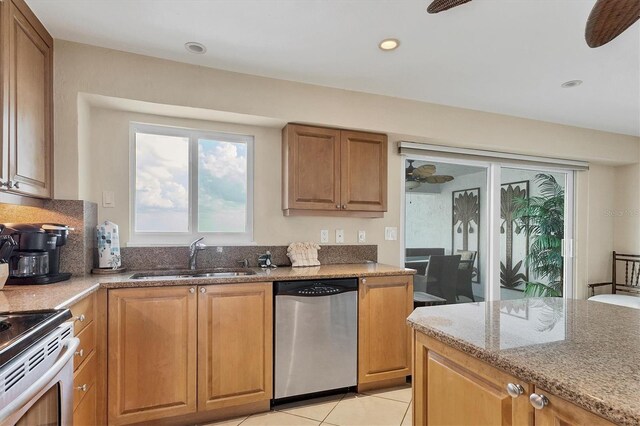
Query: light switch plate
point(390, 233)
point(362, 236)
point(108, 199)
point(339, 236)
point(324, 236)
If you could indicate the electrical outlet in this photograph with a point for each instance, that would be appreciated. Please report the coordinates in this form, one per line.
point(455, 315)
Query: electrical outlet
point(339, 236)
point(324, 236)
point(390, 233)
point(362, 236)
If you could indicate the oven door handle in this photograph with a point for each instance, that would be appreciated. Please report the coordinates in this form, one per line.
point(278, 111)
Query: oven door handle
point(70, 345)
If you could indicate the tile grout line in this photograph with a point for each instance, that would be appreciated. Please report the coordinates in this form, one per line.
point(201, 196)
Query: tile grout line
point(405, 414)
point(334, 407)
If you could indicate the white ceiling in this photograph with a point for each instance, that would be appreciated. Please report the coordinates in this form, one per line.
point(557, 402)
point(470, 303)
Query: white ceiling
point(502, 56)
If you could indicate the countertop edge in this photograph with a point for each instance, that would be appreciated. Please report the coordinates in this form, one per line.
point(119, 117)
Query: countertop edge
point(614, 414)
point(78, 297)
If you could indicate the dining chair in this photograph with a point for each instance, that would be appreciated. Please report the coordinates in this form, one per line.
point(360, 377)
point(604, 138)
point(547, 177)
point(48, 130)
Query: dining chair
point(464, 285)
point(421, 252)
point(442, 275)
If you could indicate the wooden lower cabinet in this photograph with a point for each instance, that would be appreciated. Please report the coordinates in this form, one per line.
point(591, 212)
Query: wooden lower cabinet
point(186, 351)
point(86, 413)
point(152, 353)
point(559, 412)
point(452, 388)
point(235, 341)
point(384, 338)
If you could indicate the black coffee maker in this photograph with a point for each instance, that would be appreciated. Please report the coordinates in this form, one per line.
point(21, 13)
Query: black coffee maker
point(36, 255)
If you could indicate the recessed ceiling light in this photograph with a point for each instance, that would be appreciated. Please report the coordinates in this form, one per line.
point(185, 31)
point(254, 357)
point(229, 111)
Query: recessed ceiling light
point(195, 47)
point(389, 44)
point(571, 83)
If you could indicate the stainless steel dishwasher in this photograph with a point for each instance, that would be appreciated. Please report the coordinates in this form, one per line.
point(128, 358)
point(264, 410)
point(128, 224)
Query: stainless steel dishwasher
point(316, 336)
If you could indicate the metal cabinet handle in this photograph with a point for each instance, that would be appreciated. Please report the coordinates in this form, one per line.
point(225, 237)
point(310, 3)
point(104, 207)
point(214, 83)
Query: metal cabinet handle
point(8, 184)
point(337, 206)
point(192, 290)
point(79, 353)
point(538, 401)
point(80, 318)
point(514, 390)
point(203, 290)
point(16, 185)
point(344, 207)
point(83, 388)
point(364, 281)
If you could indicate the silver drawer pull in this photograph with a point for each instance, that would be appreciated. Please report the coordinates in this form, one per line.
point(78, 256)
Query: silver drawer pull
point(79, 353)
point(514, 390)
point(81, 318)
point(83, 388)
point(538, 401)
point(203, 290)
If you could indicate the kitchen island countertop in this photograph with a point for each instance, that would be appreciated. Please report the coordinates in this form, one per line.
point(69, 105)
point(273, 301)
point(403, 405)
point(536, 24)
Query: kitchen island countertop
point(64, 294)
point(583, 351)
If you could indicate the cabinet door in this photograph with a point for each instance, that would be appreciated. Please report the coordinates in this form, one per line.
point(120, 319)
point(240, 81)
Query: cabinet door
point(235, 324)
point(4, 91)
point(311, 168)
point(30, 104)
point(451, 388)
point(363, 174)
point(564, 413)
point(384, 346)
point(152, 353)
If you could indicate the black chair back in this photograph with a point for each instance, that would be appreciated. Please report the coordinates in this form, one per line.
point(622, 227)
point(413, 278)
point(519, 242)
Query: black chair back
point(424, 251)
point(442, 276)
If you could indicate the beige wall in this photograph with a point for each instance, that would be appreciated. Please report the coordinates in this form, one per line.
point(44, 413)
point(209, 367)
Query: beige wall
point(626, 209)
point(82, 69)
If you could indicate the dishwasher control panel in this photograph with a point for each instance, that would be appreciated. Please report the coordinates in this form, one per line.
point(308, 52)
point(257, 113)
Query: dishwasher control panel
point(315, 288)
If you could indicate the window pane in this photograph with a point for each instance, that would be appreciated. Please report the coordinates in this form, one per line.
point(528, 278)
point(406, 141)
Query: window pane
point(162, 183)
point(222, 186)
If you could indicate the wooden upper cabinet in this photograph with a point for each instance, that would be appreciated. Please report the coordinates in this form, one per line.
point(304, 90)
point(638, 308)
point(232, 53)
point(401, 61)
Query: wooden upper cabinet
point(452, 388)
point(333, 172)
point(564, 413)
point(27, 70)
point(363, 171)
point(384, 339)
point(311, 168)
point(235, 335)
point(152, 353)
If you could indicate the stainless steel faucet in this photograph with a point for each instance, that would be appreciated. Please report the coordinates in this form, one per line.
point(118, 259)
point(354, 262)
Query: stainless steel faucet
point(194, 248)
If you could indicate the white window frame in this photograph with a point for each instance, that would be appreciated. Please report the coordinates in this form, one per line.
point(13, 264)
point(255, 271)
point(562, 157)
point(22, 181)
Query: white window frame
point(137, 239)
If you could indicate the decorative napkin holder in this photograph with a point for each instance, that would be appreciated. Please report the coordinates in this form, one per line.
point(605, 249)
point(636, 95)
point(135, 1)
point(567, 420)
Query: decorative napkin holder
point(303, 254)
point(108, 245)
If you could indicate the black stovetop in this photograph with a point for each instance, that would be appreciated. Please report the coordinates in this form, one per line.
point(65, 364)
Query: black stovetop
point(19, 330)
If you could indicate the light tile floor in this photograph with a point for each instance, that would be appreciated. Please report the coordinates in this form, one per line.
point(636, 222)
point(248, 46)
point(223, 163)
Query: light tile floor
point(386, 407)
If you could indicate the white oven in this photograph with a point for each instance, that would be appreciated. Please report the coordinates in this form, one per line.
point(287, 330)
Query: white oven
point(36, 388)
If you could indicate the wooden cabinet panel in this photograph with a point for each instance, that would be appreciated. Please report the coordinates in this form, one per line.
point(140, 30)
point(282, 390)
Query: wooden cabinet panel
point(87, 344)
point(311, 164)
point(235, 324)
point(384, 346)
point(559, 412)
point(30, 104)
point(84, 379)
point(83, 313)
point(452, 388)
point(152, 353)
point(4, 91)
point(363, 171)
point(85, 413)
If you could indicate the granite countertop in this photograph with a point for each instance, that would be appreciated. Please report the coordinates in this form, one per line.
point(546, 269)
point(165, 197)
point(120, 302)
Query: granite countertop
point(66, 293)
point(583, 351)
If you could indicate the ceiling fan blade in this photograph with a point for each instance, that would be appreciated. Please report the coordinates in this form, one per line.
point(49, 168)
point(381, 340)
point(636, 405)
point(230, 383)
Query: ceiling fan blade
point(437, 6)
point(610, 18)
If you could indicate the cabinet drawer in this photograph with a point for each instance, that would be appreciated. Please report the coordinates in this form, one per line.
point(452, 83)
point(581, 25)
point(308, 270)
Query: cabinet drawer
point(83, 313)
point(87, 344)
point(84, 380)
point(85, 413)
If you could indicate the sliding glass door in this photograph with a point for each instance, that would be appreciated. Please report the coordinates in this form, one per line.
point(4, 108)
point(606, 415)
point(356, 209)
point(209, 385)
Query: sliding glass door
point(479, 231)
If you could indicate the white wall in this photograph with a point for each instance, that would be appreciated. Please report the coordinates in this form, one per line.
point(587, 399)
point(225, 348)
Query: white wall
point(82, 69)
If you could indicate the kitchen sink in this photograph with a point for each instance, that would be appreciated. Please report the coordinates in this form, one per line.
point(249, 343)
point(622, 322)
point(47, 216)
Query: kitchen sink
point(207, 273)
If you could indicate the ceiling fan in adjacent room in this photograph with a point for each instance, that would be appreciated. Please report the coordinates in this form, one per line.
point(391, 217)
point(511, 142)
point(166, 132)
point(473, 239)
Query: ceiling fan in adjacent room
point(607, 20)
point(414, 176)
